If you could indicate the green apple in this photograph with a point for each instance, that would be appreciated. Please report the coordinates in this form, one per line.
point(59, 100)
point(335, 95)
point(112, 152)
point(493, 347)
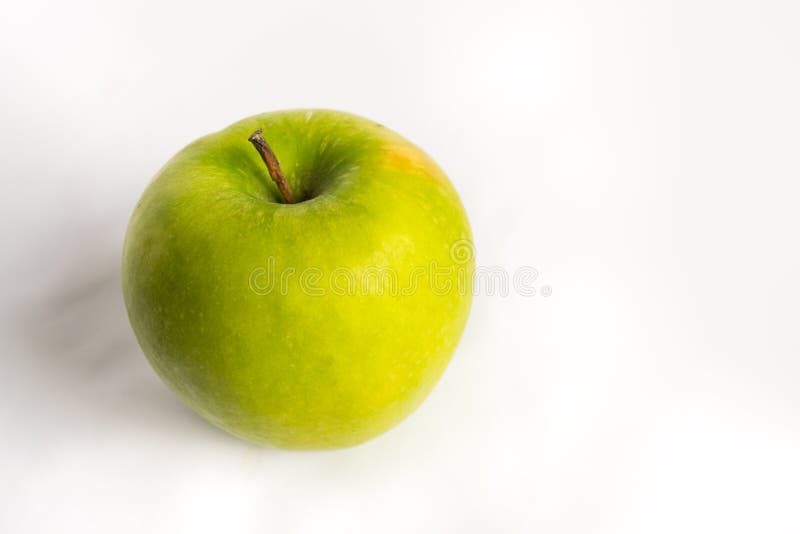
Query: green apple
point(313, 312)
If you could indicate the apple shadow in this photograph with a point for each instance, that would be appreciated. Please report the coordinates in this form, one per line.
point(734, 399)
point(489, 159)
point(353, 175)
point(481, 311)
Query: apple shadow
point(84, 353)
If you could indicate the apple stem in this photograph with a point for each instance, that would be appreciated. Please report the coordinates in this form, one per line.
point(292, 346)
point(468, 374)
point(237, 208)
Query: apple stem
point(274, 168)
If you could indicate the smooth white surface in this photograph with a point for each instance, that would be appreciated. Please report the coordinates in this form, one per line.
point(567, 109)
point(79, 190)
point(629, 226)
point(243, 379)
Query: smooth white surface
point(643, 156)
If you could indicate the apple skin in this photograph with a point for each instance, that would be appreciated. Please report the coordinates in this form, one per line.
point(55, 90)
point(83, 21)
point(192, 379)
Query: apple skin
point(289, 368)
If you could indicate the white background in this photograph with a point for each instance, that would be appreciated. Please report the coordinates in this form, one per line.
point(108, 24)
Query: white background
point(642, 155)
